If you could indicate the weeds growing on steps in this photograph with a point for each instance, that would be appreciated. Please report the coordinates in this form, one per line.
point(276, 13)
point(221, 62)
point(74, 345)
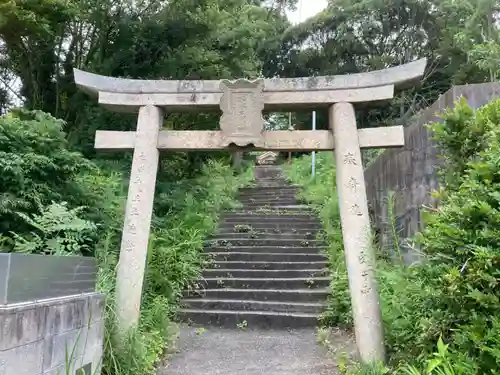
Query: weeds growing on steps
point(440, 315)
point(90, 223)
point(321, 194)
point(186, 213)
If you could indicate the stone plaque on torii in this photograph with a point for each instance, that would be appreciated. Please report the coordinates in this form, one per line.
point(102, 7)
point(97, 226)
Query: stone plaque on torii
point(242, 126)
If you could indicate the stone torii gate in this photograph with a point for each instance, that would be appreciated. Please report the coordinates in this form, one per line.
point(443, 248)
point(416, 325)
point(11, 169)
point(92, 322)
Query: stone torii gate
point(242, 128)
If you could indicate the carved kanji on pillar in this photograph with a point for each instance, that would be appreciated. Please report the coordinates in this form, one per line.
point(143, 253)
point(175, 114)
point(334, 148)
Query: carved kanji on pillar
point(242, 124)
point(242, 103)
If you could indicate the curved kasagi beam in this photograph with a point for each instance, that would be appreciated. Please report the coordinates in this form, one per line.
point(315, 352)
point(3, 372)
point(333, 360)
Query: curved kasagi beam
point(124, 94)
point(399, 75)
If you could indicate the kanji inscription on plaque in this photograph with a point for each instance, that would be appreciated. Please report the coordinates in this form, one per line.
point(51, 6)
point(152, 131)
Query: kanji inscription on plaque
point(242, 103)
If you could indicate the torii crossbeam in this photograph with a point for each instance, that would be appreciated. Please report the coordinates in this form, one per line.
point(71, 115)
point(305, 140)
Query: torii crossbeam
point(242, 127)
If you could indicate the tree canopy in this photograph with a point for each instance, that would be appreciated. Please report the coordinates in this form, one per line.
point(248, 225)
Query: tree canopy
point(41, 41)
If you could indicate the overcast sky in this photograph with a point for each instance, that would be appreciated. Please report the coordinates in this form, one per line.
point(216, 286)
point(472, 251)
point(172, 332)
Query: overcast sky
point(306, 9)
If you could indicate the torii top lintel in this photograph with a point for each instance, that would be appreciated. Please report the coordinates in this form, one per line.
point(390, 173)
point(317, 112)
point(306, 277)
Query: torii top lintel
point(128, 95)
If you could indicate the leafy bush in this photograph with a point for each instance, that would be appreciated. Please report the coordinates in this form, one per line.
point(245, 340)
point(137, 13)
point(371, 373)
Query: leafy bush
point(453, 295)
point(463, 234)
point(190, 210)
point(39, 174)
point(56, 231)
point(36, 167)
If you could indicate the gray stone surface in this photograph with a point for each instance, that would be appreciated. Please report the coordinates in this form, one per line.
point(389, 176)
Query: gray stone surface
point(181, 102)
point(254, 279)
point(398, 75)
point(212, 140)
point(137, 222)
point(355, 222)
point(129, 95)
point(22, 360)
point(49, 277)
point(250, 352)
point(241, 104)
point(35, 337)
point(411, 171)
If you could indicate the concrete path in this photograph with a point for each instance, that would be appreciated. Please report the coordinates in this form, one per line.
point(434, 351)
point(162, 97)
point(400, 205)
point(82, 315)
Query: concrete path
point(218, 351)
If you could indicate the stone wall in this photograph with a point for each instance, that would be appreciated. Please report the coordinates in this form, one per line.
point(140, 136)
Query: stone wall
point(36, 334)
point(410, 172)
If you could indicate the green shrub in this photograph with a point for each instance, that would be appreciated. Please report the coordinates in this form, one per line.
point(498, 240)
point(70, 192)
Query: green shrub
point(186, 212)
point(56, 231)
point(36, 167)
point(321, 193)
point(39, 174)
point(464, 233)
point(453, 295)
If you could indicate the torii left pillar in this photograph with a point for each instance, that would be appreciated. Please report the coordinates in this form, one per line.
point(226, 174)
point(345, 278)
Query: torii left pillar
point(138, 213)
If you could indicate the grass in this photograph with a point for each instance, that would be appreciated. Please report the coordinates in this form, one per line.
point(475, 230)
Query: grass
point(320, 193)
point(186, 213)
point(57, 202)
point(408, 293)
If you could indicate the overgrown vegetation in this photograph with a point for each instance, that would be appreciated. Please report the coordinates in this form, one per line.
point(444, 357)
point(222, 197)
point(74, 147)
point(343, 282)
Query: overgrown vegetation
point(39, 171)
point(440, 315)
point(58, 197)
point(186, 213)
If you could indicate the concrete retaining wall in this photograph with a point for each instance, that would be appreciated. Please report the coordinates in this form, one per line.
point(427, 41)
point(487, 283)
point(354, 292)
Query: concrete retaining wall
point(411, 171)
point(36, 335)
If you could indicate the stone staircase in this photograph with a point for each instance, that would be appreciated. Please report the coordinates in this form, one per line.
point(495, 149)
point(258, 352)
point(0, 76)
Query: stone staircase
point(268, 270)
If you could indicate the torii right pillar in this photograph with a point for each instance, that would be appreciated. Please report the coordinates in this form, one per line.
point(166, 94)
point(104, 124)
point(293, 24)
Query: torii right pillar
point(358, 247)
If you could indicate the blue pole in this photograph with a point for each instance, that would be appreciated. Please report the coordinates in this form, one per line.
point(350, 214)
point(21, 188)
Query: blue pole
point(313, 153)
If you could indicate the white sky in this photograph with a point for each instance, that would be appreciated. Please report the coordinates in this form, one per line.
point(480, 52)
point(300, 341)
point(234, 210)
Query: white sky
point(306, 9)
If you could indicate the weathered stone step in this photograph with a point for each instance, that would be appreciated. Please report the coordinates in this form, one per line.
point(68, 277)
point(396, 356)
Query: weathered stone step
point(258, 194)
point(282, 242)
point(271, 175)
point(273, 223)
point(251, 305)
point(277, 185)
point(276, 207)
point(241, 273)
point(283, 295)
point(280, 202)
point(269, 202)
point(276, 180)
point(269, 190)
point(267, 257)
point(262, 193)
point(271, 182)
point(270, 170)
point(272, 203)
point(305, 235)
point(250, 319)
point(261, 217)
point(273, 233)
point(266, 249)
point(289, 188)
point(273, 206)
point(266, 283)
point(270, 213)
point(271, 227)
point(278, 210)
point(317, 265)
point(267, 197)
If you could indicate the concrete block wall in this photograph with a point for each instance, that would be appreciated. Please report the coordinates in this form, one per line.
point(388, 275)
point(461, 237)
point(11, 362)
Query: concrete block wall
point(410, 172)
point(36, 336)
